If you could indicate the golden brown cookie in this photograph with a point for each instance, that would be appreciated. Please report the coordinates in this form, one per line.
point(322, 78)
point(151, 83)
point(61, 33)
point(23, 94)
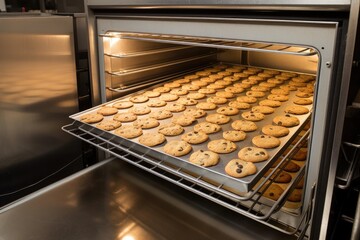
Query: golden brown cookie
point(266, 141)
point(207, 127)
point(221, 146)
point(108, 125)
point(239, 168)
point(177, 148)
point(204, 158)
point(91, 118)
point(152, 139)
point(107, 111)
point(195, 137)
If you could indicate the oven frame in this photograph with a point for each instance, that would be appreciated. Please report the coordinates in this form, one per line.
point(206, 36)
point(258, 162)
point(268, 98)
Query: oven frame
point(333, 120)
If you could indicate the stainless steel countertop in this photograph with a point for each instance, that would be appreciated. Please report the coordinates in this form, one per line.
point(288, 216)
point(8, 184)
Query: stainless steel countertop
point(114, 200)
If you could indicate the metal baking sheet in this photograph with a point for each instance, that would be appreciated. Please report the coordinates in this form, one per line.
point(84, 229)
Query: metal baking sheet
point(214, 173)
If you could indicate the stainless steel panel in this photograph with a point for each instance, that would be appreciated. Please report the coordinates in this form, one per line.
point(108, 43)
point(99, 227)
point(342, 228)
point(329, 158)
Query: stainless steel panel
point(233, 4)
point(38, 91)
point(114, 200)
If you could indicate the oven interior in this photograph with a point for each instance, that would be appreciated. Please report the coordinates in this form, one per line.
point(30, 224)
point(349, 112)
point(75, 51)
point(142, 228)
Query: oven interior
point(136, 62)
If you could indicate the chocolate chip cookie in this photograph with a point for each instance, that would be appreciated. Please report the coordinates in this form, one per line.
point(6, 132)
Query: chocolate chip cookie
point(266, 141)
point(171, 129)
point(152, 139)
point(221, 146)
point(239, 168)
point(177, 148)
point(207, 127)
point(204, 158)
point(91, 118)
point(253, 154)
point(195, 137)
point(244, 125)
point(275, 131)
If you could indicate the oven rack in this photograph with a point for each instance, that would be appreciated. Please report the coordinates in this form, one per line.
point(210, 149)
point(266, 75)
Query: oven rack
point(213, 42)
point(256, 208)
point(351, 161)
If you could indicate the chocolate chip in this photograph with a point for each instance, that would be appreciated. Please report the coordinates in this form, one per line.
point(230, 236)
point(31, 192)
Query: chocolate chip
point(271, 194)
point(279, 123)
point(257, 154)
point(249, 149)
point(262, 153)
point(181, 149)
point(201, 150)
point(238, 170)
point(287, 115)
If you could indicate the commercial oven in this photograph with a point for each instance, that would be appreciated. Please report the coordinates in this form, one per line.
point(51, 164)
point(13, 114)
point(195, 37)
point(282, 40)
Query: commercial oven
point(220, 56)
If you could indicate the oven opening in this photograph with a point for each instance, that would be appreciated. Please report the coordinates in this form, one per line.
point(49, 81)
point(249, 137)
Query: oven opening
point(258, 98)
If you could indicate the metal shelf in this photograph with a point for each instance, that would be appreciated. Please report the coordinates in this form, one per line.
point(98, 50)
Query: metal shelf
point(253, 206)
point(217, 43)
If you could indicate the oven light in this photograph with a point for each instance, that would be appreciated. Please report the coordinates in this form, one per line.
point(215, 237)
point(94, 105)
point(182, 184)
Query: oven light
point(128, 237)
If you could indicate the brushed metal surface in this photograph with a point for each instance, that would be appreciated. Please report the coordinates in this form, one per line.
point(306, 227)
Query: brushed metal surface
point(114, 200)
point(37, 92)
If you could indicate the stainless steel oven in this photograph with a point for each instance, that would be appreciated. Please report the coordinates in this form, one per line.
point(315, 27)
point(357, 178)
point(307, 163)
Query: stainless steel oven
point(300, 50)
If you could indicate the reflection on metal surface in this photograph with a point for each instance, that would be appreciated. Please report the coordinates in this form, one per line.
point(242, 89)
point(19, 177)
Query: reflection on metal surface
point(158, 210)
point(37, 92)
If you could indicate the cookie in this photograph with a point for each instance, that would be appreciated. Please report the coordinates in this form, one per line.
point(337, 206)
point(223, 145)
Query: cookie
point(175, 107)
point(199, 83)
point(207, 91)
point(234, 136)
point(300, 155)
point(297, 110)
point(303, 94)
point(253, 154)
point(239, 168)
point(184, 120)
point(187, 101)
point(223, 82)
point(190, 87)
point(221, 146)
point(207, 127)
point(234, 89)
point(217, 100)
point(204, 158)
point(140, 110)
point(151, 94)
point(177, 148)
point(123, 104)
point(242, 85)
point(239, 105)
point(172, 85)
point(275, 131)
point(256, 94)
point(297, 84)
point(266, 141)
point(162, 89)
point(224, 73)
point(191, 77)
point(288, 74)
point(161, 114)
point(206, 106)
point(288, 166)
point(107, 111)
point(306, 89)
point(253, 116)
point(271, 71)
point(300, 183)
point(279, 91)
point(196, 113)
point(152, 139)
point(295, 195)
point(246, 99)
point(265, 75)
point(275, 81)
point(146, 123)
point(241, 75)
point(215, 86)
point(267, 84)
point(270, 103)
point(278, 177)
point(91, 118)
point(215, 77)
point(195, 137)
point(224, 94)
point(273, 192)
point(286, 121)
point(125, 117)
point(108, 125)
point(282, 78)
point(128, 131)
point(250, 81)
point(179, 92)
point(256, 78)
point(277, 97)
point(203, 73)
point(262, 109)
point(288, 87)
point(168, 97)
point(229, 111)
point(171, 129)
point(139, 99)
point(196, 95)
point(259, 88)
point(244, 125)
point(156, 103)
point(218, 118)
point(182, 80)
point(231, 78)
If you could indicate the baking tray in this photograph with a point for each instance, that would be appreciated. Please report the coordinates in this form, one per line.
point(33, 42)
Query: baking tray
point(214, 173)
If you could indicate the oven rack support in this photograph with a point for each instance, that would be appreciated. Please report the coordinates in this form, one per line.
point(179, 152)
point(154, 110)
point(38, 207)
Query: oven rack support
point(217, 43)
point(254, 208)
point(352, 159)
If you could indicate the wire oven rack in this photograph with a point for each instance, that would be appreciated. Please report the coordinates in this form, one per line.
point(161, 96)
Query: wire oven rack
point(253, 205)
